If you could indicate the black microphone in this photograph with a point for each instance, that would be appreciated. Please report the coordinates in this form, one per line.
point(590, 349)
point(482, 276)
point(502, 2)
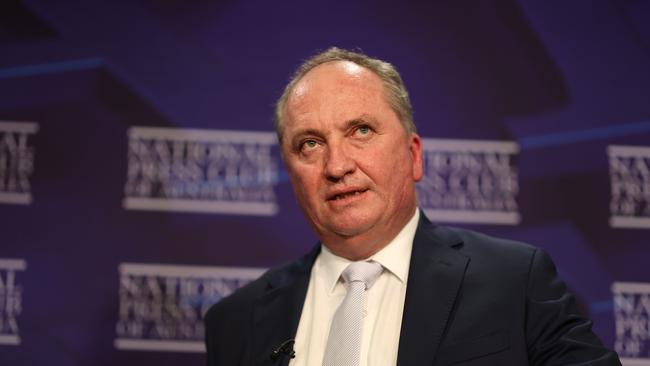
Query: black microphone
point(285, 348)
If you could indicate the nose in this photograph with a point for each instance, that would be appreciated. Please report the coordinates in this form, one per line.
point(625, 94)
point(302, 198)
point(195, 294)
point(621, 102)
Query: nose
point(339, 163)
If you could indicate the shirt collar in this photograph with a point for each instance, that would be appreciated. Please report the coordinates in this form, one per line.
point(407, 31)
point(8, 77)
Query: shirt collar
point(394, 257)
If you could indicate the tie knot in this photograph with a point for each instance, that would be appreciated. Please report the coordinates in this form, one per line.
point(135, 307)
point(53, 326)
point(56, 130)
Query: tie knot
point(366, 272)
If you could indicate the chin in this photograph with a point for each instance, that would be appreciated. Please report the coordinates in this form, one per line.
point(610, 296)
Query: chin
point(349, 230)
point(350, 224)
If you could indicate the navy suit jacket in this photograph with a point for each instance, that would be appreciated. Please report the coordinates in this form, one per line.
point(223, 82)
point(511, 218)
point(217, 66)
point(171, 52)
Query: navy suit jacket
point(470, 300)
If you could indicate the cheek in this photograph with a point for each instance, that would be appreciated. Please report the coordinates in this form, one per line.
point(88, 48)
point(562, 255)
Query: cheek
point(394, 173)
point(304, 183)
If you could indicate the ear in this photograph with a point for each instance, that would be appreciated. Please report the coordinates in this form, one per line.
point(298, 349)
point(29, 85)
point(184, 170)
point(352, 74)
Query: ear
point(415, 148)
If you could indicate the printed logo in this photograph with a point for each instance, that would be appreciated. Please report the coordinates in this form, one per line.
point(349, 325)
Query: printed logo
point(469, 181)
point(162, 306)
point(629, 174)
point(632, 315)
point(212, 171)
point(11, 300)
point(16, 161)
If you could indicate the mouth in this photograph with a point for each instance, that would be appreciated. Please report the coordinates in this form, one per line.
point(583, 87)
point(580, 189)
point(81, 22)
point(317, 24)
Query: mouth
point(345, 195)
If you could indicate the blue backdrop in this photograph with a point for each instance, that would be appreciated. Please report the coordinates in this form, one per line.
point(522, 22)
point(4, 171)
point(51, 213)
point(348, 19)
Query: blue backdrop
point(140, 180)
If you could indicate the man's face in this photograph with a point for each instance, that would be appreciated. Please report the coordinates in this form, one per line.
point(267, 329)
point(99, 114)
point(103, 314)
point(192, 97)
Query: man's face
point(352, 165)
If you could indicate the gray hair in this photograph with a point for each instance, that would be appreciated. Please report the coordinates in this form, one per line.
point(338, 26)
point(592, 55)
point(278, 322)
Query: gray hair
point(396, 94)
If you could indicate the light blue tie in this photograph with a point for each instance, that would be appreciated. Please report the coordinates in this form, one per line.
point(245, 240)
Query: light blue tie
point(344, 341)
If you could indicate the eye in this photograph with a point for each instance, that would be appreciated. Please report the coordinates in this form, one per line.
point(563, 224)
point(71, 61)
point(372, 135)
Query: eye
point(363, 130)
point(308, 145)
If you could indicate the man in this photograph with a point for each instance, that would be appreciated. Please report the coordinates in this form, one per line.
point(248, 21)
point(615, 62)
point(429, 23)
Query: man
point(436, 296)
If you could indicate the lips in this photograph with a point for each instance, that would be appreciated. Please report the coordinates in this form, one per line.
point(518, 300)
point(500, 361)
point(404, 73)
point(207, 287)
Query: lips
point(348, 193)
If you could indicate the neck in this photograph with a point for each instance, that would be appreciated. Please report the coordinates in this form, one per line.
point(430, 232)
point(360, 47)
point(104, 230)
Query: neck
point(365, 245)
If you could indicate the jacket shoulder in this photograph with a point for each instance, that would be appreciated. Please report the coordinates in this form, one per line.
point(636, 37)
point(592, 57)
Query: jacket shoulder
point(475, 243)
point(229, 322)
point(240, 302)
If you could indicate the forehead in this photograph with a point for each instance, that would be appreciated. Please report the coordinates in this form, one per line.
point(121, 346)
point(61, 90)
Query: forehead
point(337, 72)
point(335, 84)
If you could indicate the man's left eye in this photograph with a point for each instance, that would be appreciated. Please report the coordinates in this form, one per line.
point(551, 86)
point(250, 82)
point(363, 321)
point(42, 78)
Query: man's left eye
point(364, 130)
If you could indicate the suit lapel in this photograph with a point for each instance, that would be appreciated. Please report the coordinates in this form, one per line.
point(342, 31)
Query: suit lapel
point(435, 277)
point(276, 313)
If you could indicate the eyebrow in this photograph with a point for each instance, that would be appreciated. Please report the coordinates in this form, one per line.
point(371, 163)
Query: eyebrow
point(361, 120)
point(351, 123)
point(305, 132)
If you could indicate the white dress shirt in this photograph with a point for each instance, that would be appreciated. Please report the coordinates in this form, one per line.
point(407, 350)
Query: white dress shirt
point(383, 308)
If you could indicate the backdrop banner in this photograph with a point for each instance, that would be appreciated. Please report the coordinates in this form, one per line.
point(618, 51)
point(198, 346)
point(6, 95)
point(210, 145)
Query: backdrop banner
point(141, 179)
